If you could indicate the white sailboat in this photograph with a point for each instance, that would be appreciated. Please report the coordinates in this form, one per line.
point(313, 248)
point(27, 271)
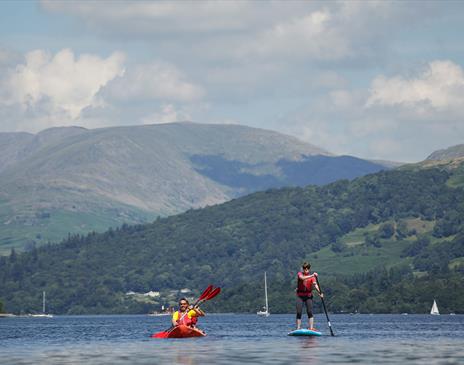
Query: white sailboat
point(434, 311)
point(265, 311)
point(44, 313)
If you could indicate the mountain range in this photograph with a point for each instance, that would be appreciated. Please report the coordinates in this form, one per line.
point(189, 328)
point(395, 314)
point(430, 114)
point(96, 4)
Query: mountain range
point(382, 243)
point(76, 180)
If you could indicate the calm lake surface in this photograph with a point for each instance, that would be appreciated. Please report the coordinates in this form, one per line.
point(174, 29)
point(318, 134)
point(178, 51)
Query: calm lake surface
point(232, 339)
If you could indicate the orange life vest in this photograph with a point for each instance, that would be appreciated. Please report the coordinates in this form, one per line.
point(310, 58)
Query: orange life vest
point(185, 319)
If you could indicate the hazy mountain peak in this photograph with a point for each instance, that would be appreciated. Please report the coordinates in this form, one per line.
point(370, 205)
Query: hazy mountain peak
point(94, 178)
point(448, 153)
point(62, 131)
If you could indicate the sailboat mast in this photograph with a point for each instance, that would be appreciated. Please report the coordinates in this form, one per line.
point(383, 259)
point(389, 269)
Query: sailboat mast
point(265, 291)
point(43, 302)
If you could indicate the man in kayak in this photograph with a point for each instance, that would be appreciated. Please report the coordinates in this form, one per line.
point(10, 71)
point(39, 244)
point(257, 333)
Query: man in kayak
point(187, 314)
point(304, 295)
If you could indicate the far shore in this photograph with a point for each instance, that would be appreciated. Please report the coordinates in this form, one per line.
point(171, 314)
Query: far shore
point(6, 315)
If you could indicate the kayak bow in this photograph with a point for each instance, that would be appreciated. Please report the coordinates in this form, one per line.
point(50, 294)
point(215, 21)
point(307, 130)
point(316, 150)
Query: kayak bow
point(180, 331)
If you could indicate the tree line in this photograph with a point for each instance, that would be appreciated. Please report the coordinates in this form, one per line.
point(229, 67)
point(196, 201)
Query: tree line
point(232, 244)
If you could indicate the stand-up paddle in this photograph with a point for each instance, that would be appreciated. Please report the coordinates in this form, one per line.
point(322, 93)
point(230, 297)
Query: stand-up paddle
point(325, 309)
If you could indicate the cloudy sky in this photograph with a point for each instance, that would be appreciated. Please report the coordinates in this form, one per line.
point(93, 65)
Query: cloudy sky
point(374, 79)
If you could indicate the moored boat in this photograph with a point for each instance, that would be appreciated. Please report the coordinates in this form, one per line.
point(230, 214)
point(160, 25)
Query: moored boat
point(265, 311)
point(44, 314)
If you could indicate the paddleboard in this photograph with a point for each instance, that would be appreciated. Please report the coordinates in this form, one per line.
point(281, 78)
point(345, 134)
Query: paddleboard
point(180, 332)
point(304, 332)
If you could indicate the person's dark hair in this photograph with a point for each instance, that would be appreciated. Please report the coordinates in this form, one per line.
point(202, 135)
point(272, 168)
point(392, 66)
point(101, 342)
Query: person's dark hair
point(184, 299)
point(306, 265)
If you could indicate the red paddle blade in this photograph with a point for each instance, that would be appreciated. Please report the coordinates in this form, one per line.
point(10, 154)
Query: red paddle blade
point(206, 292)
point(213, 294)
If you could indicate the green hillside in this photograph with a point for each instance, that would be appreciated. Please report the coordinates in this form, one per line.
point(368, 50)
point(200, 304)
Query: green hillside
point(386, 242)
point(51, 225)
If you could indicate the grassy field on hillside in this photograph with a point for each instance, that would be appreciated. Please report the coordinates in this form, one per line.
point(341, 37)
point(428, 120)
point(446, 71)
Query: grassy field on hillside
point(358, 255)
point(358, 259)
point(54, 227)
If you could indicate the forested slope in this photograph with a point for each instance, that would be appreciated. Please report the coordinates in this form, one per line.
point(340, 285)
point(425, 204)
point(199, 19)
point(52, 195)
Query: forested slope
point(387, 242)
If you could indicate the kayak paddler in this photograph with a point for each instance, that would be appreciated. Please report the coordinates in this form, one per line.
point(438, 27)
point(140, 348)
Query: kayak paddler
point(306, 282)
point(187, 314)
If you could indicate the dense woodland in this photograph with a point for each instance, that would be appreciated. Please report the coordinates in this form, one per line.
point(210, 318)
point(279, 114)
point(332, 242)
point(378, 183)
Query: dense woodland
point(232, 244)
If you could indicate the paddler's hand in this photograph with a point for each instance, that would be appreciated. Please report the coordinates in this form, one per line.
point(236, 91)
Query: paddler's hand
point(321, 295)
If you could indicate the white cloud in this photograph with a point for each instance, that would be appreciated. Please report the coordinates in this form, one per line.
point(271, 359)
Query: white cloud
point(7, 57)
point(253, 62)
point(440, 86)
point(239, 50)
point(45, 90)
point(309, 35)
point(58, 84)
point(342, 98)
point(167, 114)
point(153, 81)
point(166, 17)
point(399, 118)
point(315, 30)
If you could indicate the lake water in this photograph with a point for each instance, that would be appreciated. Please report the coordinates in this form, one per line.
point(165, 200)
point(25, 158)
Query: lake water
point(232, 339)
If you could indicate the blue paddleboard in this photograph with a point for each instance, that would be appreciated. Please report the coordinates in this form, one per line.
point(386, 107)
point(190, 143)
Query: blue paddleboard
point(304, 332)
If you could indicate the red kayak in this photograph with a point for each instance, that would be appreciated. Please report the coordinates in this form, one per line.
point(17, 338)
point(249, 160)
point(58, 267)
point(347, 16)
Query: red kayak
point(180, 331)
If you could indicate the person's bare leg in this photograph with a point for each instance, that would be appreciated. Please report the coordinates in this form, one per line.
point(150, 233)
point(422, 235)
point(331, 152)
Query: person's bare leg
point(311, 322)
point(298, 324)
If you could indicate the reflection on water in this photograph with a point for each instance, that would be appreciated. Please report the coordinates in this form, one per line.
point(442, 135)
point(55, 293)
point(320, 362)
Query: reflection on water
point(233, 339)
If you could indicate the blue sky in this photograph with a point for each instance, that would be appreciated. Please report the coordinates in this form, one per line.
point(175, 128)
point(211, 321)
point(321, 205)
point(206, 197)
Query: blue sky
point(374, 79)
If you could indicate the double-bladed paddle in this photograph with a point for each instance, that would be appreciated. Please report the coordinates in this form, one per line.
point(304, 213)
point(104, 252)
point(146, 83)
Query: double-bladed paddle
point(209, 293)
point(210, 296)
point(205, 294)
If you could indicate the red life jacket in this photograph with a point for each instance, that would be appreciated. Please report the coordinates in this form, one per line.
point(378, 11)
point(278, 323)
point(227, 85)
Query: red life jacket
point(305, 288)
point(183, 318)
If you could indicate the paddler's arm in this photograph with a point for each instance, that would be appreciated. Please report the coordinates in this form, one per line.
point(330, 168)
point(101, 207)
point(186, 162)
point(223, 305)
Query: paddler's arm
point(317, 287)
point(174, 320)
point(318, 291)
point(198, 311)
point(305, 277)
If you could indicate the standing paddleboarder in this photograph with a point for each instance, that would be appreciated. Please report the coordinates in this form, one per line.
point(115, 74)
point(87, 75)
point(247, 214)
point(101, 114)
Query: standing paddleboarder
point(306, 282)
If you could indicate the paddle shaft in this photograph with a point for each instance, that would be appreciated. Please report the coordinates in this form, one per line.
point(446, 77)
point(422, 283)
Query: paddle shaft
point(325, 309)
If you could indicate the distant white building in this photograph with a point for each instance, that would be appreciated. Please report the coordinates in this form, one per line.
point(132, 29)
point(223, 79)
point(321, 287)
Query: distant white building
point(131, 293)
point(185, 291)
point(152, 294)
